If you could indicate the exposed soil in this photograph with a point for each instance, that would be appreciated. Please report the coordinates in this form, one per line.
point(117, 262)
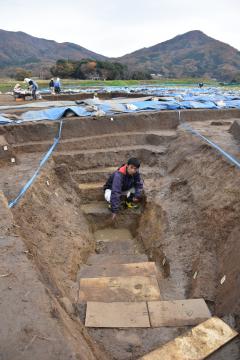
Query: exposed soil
point(189, 225)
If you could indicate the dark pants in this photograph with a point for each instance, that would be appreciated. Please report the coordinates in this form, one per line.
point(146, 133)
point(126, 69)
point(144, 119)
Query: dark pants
point(34, 94)
point(57, 90)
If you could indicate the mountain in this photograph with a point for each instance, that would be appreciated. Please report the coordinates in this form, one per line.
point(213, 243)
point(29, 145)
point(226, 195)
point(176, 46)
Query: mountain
point(19, 49)
point(191, 54)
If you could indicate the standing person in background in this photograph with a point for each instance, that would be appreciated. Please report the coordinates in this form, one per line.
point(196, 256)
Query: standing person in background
point(57, 86)
point(33, 86)
point(51, 85)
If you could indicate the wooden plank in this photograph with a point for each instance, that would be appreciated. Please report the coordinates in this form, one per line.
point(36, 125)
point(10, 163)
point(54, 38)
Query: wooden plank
point(115, 259)
point(196, 344)
point(178, 312)
point(111, 270)
point(110, 289)
point(117, 315)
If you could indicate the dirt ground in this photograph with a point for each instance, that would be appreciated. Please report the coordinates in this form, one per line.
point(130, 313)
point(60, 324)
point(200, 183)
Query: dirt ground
point(189, 226)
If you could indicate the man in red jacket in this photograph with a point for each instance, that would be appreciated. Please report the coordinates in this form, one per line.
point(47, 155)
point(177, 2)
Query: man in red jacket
point(125, 181)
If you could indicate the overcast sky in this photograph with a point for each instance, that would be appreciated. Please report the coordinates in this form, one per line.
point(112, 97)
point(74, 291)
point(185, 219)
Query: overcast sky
point(117, 27)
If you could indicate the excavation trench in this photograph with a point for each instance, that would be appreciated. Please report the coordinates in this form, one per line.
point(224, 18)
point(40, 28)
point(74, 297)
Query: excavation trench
point(188, 225)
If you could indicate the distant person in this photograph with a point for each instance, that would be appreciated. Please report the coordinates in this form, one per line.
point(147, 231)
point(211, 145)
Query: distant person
point(33, 87)
point(18, 92)
point(200, 85)
point(57, 86)
point(51, 85)
point(125, 181)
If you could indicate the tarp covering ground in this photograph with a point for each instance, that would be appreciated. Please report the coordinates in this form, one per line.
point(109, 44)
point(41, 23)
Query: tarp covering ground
point(159, 99)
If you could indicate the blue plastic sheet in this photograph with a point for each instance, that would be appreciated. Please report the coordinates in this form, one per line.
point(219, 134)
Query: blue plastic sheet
point(232, 104)
point(198, 105)
point(39, 104)
point(173, 105)
point(4, 120)
point(170, 98)
point(53, 113)
point(147, 105)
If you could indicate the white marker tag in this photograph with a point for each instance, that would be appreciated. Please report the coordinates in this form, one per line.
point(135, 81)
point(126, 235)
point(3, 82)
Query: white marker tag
point(195, 275)
point(223, 279)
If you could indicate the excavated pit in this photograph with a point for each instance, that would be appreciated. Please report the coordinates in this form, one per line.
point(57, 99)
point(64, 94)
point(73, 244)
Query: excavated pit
point(188, 225)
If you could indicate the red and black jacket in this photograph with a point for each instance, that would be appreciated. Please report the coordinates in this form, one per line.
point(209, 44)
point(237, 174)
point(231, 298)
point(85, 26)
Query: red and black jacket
point(121, 181)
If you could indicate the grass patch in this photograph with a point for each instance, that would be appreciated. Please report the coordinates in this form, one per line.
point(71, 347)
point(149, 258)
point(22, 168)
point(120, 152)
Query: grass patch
point(8, 84)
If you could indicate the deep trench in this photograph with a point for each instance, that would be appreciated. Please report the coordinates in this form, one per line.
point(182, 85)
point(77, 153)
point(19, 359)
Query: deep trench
point(188, 225)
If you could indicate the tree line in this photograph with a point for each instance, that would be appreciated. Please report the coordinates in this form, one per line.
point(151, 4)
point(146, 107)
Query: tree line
point(95, 70)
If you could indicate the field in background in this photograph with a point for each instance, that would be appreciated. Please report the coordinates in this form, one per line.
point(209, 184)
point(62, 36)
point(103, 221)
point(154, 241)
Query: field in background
point(8, 84)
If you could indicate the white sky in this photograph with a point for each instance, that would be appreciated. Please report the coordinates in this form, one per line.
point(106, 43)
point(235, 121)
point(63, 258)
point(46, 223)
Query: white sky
point(117, 27)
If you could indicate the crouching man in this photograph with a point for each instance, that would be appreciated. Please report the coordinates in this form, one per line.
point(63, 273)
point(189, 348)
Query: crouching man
point(127, 181)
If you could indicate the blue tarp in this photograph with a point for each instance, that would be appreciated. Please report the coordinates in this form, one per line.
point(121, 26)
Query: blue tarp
point(53, 113)
point(232, 104)
point(198, 105)
point(39, 104)
point(170, 99)
point(173, 105)
point(4, 120)
point(147, 105)
point(165, 90)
